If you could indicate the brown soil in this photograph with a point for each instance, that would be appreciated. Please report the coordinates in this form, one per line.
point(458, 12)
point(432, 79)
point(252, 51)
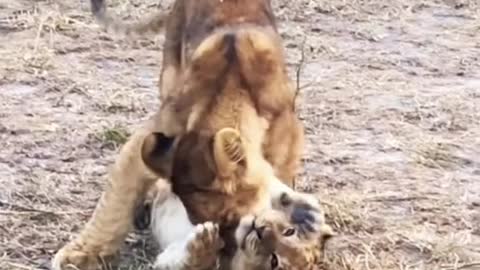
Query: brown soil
point(390, 95)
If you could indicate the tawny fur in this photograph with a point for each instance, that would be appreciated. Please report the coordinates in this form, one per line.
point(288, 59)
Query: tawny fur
point(296, 250)
point(237, 174)
point(128, 181)
point(190, 73)
point(271, 237)
point(227, 71)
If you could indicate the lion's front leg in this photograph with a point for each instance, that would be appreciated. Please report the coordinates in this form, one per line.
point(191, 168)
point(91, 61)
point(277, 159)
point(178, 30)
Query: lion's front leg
point(112, 219)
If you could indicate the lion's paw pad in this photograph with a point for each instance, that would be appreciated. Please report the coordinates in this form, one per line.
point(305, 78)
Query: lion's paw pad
point(70, 259)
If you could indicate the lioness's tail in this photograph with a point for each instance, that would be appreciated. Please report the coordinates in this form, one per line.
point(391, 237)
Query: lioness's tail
point(256, 56)
point(152, 25)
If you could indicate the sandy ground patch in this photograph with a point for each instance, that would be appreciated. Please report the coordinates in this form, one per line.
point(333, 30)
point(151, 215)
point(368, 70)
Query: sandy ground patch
point(390, 94)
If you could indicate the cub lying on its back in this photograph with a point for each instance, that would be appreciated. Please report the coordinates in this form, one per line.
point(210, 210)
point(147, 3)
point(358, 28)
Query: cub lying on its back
point(287, 234)
point(268, 240)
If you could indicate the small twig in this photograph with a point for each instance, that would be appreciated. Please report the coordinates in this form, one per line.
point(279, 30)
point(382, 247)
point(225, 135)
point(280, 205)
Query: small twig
point(475, 265)
point(299, 71)
point(22, 266)
point(25, 209)
point(39, 34)
point(22, 208)
point(12, 212)
point(395, 198)
point(3, 229)
point(61, 98)
point(307, 85)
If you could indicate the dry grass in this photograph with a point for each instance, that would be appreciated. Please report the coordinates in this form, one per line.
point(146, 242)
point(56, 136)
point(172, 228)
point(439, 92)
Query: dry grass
point(389, 93)
point(113, 137)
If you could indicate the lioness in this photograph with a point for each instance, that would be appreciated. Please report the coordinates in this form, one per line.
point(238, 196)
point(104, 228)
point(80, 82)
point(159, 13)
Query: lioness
point(223, 68)
point(212, 45)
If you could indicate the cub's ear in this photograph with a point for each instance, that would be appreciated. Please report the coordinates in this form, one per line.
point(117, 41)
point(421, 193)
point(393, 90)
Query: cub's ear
point(229, 153)
point(326, 233)
point(157, 153)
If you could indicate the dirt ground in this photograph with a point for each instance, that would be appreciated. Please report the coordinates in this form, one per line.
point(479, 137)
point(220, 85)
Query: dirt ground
point(390, 95)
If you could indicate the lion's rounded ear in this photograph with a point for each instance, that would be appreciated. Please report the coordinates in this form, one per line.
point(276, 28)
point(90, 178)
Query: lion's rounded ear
point(229, 152)
point(157, 153)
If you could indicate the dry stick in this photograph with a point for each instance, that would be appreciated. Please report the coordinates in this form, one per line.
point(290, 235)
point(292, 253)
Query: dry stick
point(22, 208)
point(299, 70)
point(394, 198)
point(64, 94)
point(3, 229)
point(22, 266)
point(475, 265)
point(39, 34)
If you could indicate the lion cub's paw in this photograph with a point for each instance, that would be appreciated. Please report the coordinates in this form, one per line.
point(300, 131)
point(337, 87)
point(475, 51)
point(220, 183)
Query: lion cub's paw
point(306, 213)
point(199, 251)
point(203, 246)
point(72, 257)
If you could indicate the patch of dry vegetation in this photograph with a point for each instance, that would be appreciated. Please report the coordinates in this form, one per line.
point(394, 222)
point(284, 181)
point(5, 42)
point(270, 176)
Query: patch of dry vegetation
point(388, 91)
point(113, 137)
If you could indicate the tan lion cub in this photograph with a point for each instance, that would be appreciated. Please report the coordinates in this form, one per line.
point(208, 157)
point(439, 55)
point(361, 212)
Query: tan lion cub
point(287, 230)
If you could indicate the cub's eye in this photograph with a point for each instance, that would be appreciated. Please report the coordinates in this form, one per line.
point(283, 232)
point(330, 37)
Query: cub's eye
point(274, 261)
point(289, 232)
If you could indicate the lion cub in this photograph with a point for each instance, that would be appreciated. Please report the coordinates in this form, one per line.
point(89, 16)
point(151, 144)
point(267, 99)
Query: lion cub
point(271, 239)
point(286, 232)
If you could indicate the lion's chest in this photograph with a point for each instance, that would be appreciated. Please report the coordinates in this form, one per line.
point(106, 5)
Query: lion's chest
point(231, 108)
